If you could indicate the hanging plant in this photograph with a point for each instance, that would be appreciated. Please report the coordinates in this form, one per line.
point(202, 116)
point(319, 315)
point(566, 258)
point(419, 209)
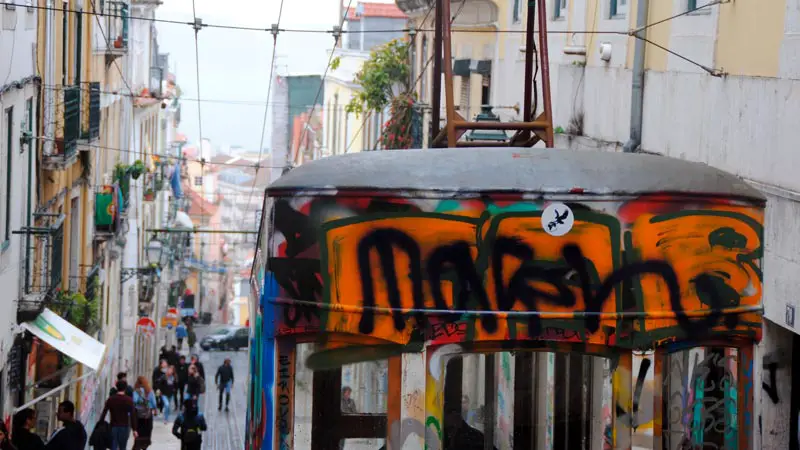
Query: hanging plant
point(137, 169)
point(120, 170)
point(396, 132)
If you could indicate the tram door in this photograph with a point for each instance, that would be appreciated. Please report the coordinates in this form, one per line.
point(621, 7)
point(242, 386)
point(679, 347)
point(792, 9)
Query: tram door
point(335, 426)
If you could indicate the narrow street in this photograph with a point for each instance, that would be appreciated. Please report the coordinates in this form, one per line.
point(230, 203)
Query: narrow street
point(226, 430)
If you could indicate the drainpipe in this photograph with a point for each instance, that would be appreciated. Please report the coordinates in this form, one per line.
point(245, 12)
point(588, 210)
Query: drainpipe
point(637, 88)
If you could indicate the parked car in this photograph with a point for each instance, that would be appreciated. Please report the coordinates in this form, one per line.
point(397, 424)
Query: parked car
point(228, 338)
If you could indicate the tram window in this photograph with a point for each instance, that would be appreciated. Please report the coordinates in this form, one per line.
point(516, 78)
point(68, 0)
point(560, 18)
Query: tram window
point(364, 387)
point(527, 401)
point(700, 392)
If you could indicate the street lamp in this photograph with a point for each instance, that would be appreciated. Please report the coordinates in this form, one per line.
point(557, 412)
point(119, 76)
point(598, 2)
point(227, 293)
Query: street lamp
point(154, 251)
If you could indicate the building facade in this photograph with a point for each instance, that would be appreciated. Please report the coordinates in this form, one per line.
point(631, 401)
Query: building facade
point(20, 87)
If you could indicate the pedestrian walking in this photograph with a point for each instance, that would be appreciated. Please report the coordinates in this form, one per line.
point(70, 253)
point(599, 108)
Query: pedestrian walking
point(5, 439)
point(189, 427)
point(173, 356)
point(182, 370)
point(167, 385)
point(72, 435)
point(144, 400)
point(195, 386)
point(123, 417)
point(196, 361)
point(122, 376)
point(21, 435)
point(192, 337)
point(180, 334)
point(159, 371)
point(224, 381)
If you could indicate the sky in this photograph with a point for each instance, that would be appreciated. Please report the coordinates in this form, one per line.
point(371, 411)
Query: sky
point(234, 64)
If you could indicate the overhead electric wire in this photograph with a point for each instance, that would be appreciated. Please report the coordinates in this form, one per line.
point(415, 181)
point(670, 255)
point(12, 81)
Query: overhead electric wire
point(266, 107)
point(177, 158)
point(632, 33)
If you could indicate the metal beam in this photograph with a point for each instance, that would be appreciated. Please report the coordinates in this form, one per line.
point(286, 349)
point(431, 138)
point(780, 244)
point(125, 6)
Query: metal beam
point(196, 230)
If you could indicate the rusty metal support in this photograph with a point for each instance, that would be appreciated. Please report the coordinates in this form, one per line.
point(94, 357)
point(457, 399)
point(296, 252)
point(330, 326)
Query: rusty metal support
point(450, 100)
point(545, 63)
point(436, 99)
point(533, 128)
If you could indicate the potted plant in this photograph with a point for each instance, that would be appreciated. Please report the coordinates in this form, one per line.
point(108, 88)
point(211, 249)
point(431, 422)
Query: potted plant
point(149, 195)
point(137, 169)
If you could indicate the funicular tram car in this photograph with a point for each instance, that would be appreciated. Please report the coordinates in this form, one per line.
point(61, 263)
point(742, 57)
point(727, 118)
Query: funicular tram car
point(492, 298)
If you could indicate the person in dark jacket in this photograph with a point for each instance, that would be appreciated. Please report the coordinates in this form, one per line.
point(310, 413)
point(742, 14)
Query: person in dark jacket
point(188, 427)
point(101, 436)
point(195, 386)
point(182, 370)
point(200, 368)
point(122, 376)
point(224, 381)
point(5, 438)
point(22, 437)
point(72, 436)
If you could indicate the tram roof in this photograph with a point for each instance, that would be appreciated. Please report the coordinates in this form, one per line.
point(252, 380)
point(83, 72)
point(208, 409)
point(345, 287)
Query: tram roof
point(512, 170)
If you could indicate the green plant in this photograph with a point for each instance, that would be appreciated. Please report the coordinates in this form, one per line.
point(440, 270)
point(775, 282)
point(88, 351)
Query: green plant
point(559, 130)
point(120, 170)
point(385, 72)
point(78, 310)
point(137, 169)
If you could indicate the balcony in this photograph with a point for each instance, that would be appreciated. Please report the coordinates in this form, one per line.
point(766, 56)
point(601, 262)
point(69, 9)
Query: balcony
point(115, 19)
point(90, 123)
point(68, 131)
point(42, 264)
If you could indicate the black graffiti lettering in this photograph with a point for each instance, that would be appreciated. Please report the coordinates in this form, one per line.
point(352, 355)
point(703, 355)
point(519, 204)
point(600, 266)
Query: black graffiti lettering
point(771, 388)
point(572, 271)
point(300, 279)
point(383, 240)
point(295, 227)
point(459, 256)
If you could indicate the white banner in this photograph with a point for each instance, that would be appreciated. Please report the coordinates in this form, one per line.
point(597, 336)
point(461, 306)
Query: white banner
point(67, 339)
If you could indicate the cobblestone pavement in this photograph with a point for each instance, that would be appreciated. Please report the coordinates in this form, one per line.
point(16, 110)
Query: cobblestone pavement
point(226, 430)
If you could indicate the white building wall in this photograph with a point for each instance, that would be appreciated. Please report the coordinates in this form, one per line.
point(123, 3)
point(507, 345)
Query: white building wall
point(17, 87)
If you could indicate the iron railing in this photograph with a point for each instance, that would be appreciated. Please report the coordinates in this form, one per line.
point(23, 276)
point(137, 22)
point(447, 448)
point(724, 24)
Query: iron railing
point(91, 103)
point(116, 25)
point(42, 264)
point(72, 119)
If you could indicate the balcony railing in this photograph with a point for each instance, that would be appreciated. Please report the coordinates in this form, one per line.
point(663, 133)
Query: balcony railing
point(116, 18)
point(42, 264)
point(66, 144)
point(90, 126)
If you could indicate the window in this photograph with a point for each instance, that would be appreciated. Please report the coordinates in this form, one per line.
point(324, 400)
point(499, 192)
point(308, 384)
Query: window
point(517, 11)
point(198, 181)
point(9, 127)
point(691, 5)
point(28, 124)
point(464, 101)
point(559, 9)
point(618, 8)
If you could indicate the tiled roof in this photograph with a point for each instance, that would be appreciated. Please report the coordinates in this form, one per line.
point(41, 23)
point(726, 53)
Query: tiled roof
point(384, 10)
